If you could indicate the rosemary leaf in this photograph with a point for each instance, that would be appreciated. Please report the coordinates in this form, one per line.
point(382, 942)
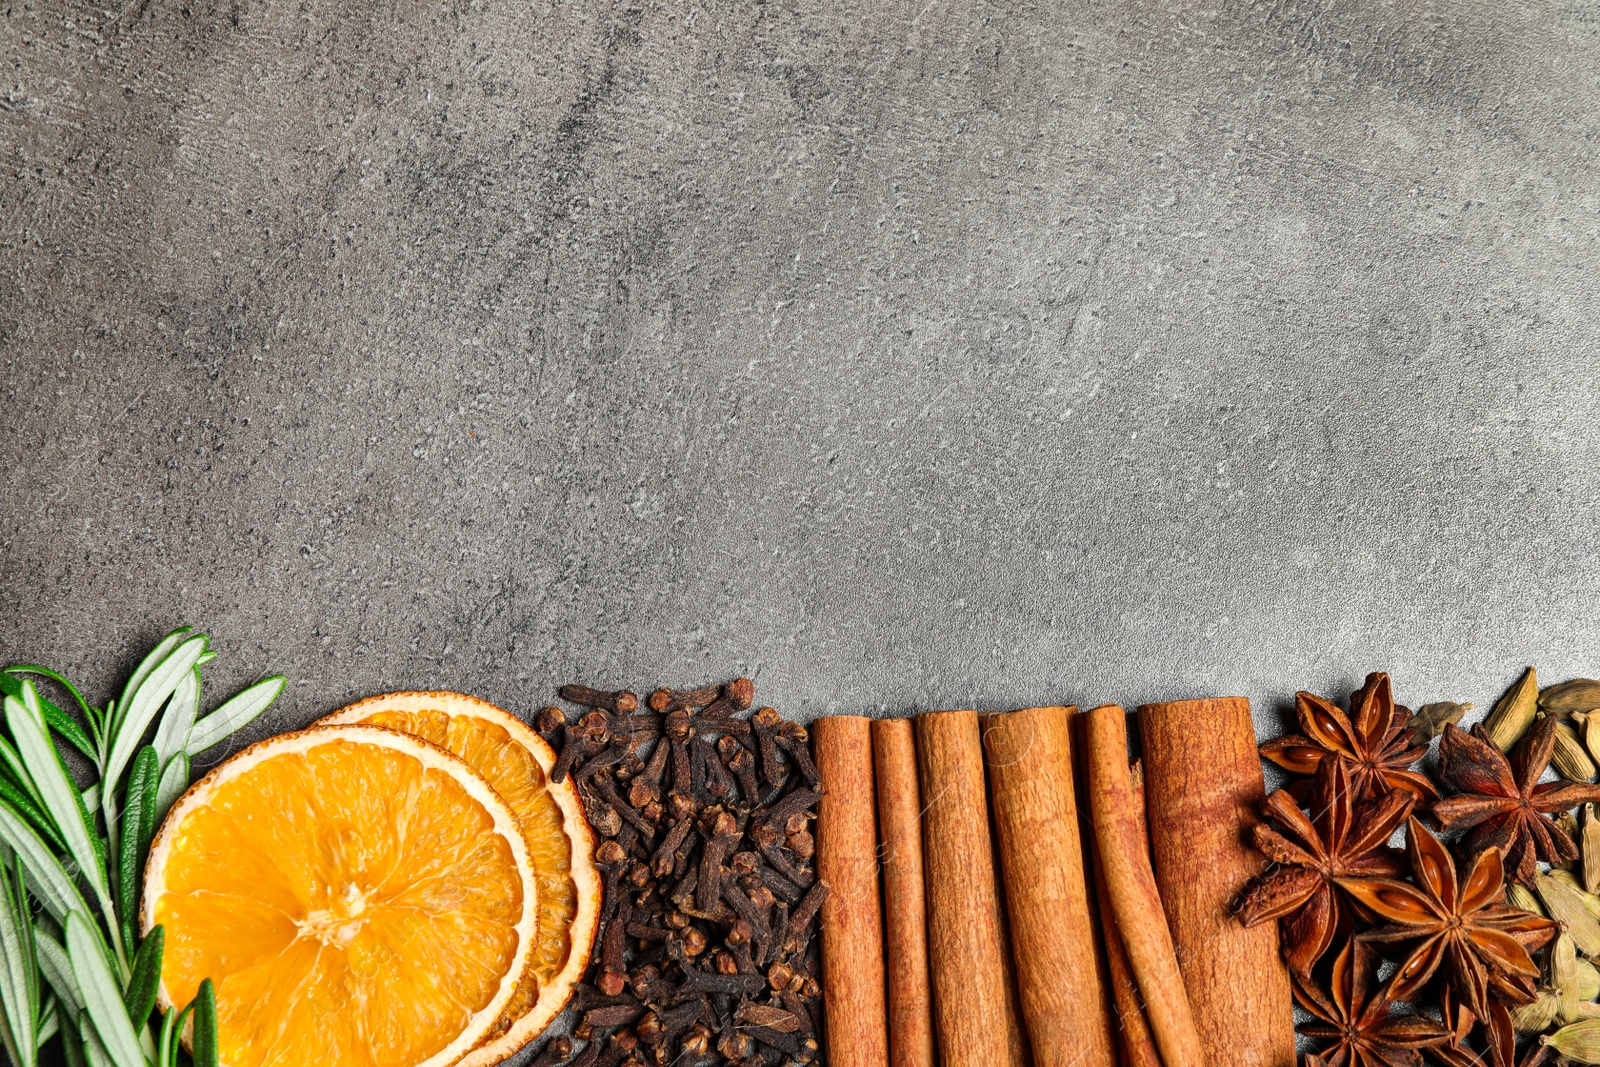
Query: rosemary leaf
point(136, 712)
point(173, 734)
point(49, 1023)
point(19, 977)
point(174, 780)
point(167, 1049)
point(24, 805)
point(141, 994)
point(72, 1042)
point(11, 767)
point(204, 1044)
point(102, 993)
point(94, 1051)
point(162, 650)
point(49, 880)
point(62, 800)
point(234, 713)
point(59, 721)
point(138, 825)
point(56, 967)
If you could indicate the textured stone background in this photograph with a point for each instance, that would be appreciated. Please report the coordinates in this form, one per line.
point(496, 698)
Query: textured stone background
point(903, 355)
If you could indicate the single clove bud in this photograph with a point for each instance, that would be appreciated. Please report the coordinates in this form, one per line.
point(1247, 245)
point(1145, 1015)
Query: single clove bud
point(621, 702)
point(664, 700)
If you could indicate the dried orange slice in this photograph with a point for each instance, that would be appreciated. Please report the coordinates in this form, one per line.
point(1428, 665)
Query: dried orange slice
point(359, 896)
point(517, 763)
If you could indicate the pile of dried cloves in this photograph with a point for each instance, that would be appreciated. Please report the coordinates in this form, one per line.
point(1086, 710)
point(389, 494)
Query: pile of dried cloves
point(705, 951)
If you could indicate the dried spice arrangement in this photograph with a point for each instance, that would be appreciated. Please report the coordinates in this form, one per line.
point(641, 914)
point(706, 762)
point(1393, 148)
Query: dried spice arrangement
point(1489, 921)
point(706, 946)
point(1012, 888)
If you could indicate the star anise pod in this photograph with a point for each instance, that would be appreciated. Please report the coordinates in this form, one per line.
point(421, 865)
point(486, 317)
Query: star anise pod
point(1345, 839)
point(1459, 925)
point(1357, 1018)
point(1373, 742)
point(1499, 1033)
point(1502, 801)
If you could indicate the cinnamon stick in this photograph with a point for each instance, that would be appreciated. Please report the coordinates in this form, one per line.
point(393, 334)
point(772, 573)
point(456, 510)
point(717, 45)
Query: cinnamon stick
point(853, 996)
point(1136, 1044)
point(1203, 787)
point(904, 907)
point(1131, 887)
point(975, 1012)
point(1029, 756)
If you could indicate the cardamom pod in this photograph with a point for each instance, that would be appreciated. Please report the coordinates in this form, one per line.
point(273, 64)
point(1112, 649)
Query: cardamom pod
point(1588, 981)
point(1568, 698)
point(1589, 721)
point(1430, 719)
point(1513, 713)
point(1569, 757)
point(1535, 1017)
point(1564, 976)
point(1567, 878)
point(1565, 904)
point(1590, 847)
point(1520, 896)
point(1580, 1041)
point(1567, 823)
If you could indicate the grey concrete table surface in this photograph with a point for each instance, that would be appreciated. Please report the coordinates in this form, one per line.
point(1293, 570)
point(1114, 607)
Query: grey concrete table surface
point(902, 356)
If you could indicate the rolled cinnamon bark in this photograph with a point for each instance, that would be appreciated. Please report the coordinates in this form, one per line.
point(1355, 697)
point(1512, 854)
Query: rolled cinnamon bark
point(1131, 888)
point(1029, 756)
point(905, 912)
point(854, 1010)
point(1136, 1044)
point(1203, 787)
point(975, 1009)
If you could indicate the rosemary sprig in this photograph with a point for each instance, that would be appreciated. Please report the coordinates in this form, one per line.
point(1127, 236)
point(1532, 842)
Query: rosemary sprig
point(72, 970)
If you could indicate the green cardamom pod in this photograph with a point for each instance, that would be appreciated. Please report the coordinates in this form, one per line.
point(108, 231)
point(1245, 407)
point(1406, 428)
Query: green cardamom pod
point(1589, 721)
point(1564, 976)
point(1589, 846)
point(1571, 761)
point(1513, 713)
point(1565, 904)
point(1520, 896)
point(1567, 823)
point(1431, 719)
point(1569, 698)
point(1580, 1041)
point(1567, 878)
point(1536, 1016)
point(1588, 981)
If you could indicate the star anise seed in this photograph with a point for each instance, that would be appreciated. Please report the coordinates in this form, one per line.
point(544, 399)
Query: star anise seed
point(1458, 924)
point(1377, 750)
point(1501, 800)
point(1343, 840)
